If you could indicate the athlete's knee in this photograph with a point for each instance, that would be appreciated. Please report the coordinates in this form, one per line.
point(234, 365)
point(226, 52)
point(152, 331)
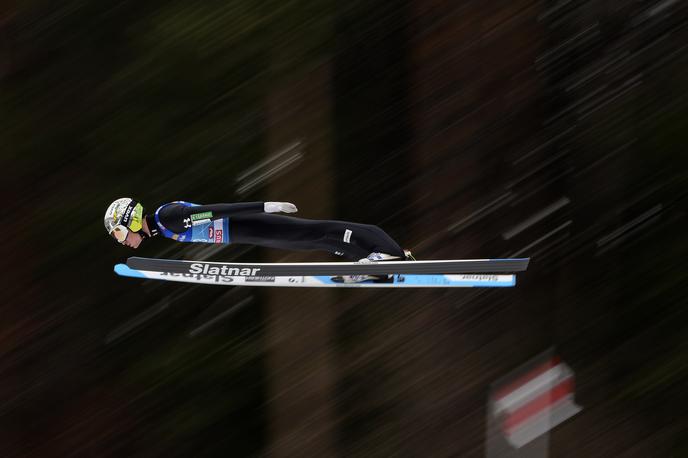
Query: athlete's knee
point(375, 229)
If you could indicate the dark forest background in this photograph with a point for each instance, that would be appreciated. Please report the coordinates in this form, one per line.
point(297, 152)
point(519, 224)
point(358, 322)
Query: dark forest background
point(554, 130)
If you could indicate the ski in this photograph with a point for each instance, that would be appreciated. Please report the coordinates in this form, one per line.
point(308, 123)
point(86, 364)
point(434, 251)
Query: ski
point(319, 281)
point(460, 266)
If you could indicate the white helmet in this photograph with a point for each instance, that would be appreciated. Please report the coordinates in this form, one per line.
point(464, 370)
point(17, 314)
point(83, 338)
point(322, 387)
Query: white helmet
point(122, 216)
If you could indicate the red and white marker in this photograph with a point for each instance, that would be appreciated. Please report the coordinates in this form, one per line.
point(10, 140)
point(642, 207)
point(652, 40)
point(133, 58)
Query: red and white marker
point(535, 402)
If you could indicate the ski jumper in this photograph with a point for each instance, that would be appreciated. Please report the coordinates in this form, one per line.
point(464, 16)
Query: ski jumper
point(247, 223)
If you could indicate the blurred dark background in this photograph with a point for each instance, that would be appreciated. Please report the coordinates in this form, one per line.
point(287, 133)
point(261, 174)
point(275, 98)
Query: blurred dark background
point(550, 129)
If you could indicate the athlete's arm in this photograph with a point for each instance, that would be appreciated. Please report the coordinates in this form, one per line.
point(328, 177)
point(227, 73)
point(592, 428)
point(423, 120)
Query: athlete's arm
point(177, 217)
point(217, 211)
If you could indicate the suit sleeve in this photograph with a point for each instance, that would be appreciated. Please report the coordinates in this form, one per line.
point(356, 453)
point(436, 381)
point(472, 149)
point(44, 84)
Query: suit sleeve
point(218, 211)
point(177, 217)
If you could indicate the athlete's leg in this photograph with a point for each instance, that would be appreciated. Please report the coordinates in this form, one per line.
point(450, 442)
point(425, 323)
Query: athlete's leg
point(351, 240)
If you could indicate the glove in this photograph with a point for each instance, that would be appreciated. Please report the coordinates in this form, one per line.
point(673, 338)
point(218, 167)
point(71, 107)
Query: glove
point(284, 207)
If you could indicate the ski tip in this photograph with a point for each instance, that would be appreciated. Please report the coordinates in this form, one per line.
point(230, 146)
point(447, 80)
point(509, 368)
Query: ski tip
point(141, 258)
point(124, 271)
point(135, 262)
point(134, 259)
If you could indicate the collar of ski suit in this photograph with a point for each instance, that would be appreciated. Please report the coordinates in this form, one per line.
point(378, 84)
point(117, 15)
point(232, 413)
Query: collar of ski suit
point(152, 226)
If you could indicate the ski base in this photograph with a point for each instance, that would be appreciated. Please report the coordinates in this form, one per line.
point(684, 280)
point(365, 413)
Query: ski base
point(319, 281)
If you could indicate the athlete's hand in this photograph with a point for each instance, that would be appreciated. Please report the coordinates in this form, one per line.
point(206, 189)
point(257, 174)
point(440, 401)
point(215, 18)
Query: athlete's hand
point(284, 207)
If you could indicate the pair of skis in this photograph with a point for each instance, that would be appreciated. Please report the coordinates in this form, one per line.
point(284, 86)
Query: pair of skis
point(404, 274)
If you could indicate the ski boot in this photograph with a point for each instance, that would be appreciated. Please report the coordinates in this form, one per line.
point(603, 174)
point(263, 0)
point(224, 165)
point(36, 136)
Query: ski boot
point(373, 257)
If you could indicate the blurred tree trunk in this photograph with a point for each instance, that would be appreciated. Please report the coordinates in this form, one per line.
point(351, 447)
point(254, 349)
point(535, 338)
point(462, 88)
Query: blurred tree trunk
point(299, 321)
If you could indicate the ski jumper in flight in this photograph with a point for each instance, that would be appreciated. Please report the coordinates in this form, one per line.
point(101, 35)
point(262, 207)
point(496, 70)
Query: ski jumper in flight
point(253, 223)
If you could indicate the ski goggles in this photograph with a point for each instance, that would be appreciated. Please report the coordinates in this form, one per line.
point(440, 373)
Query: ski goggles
point(119, 233)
